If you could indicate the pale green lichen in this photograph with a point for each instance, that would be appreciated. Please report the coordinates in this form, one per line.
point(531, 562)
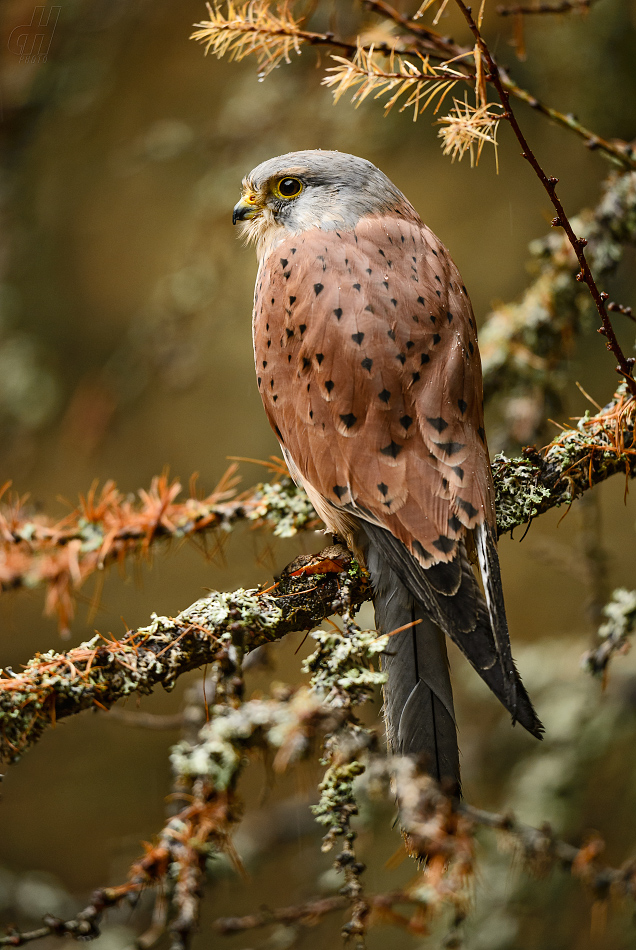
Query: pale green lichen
point(342, 666)
point(613, 635)
point(276, 724)
point(283, 505)
point(518, 495)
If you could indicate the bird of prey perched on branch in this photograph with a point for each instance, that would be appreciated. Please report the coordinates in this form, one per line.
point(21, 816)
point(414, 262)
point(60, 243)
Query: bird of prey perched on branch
point(367, 363)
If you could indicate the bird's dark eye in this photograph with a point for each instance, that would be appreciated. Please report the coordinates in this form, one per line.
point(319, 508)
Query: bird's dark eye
point(289, 187)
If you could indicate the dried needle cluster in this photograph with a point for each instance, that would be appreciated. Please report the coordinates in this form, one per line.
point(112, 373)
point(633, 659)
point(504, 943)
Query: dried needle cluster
point(107, 527)
point(420, 85)
point(396, 65)
point(251, 28)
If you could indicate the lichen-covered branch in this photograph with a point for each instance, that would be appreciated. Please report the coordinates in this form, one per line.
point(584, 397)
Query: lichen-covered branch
point(614, 633)
point(62, 555)
point(439, 829)
point(102, 671)
point(108, 527)
point(343, 674)
point(601, 445)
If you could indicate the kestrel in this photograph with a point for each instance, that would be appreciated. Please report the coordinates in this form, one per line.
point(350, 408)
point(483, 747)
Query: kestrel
point(367, 363)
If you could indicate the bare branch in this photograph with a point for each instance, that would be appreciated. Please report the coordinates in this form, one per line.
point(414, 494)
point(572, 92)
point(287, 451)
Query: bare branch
point(253, 28)
point(564, 6)
point(625, 364)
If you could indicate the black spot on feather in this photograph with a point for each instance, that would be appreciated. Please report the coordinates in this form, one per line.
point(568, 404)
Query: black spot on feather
point(318, 288)
point(437, 422)
point(421, 550)
point(466, 506)
point(392, 449)
point(357, 338)
point(385, 395)
point(444, 544)
point(340, 490)
point(349, 419)
point(449, 448)
point(329, 385)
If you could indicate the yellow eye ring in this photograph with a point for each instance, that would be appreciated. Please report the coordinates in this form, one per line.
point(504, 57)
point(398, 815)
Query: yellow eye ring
point(288, 187)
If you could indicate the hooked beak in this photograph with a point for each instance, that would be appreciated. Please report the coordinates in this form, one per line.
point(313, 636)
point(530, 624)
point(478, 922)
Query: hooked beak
point(246, 208)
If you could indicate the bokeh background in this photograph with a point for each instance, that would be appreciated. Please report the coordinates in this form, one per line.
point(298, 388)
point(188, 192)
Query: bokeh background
point(125, 348)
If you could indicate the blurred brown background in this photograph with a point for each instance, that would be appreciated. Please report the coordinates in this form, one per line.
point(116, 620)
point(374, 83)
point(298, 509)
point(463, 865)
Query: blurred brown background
point(125, 347)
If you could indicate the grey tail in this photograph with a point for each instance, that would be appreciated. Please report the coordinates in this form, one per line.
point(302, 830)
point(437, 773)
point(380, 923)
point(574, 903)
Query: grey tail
point(450, 597)
point(418, 698)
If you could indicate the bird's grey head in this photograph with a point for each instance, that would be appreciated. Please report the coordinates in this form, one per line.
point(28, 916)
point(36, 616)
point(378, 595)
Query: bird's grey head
point(313, 189)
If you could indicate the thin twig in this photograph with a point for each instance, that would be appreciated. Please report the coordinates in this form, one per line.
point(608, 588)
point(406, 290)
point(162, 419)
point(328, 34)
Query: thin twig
point(625, 364)
point(564, 6)
point(620, 152)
